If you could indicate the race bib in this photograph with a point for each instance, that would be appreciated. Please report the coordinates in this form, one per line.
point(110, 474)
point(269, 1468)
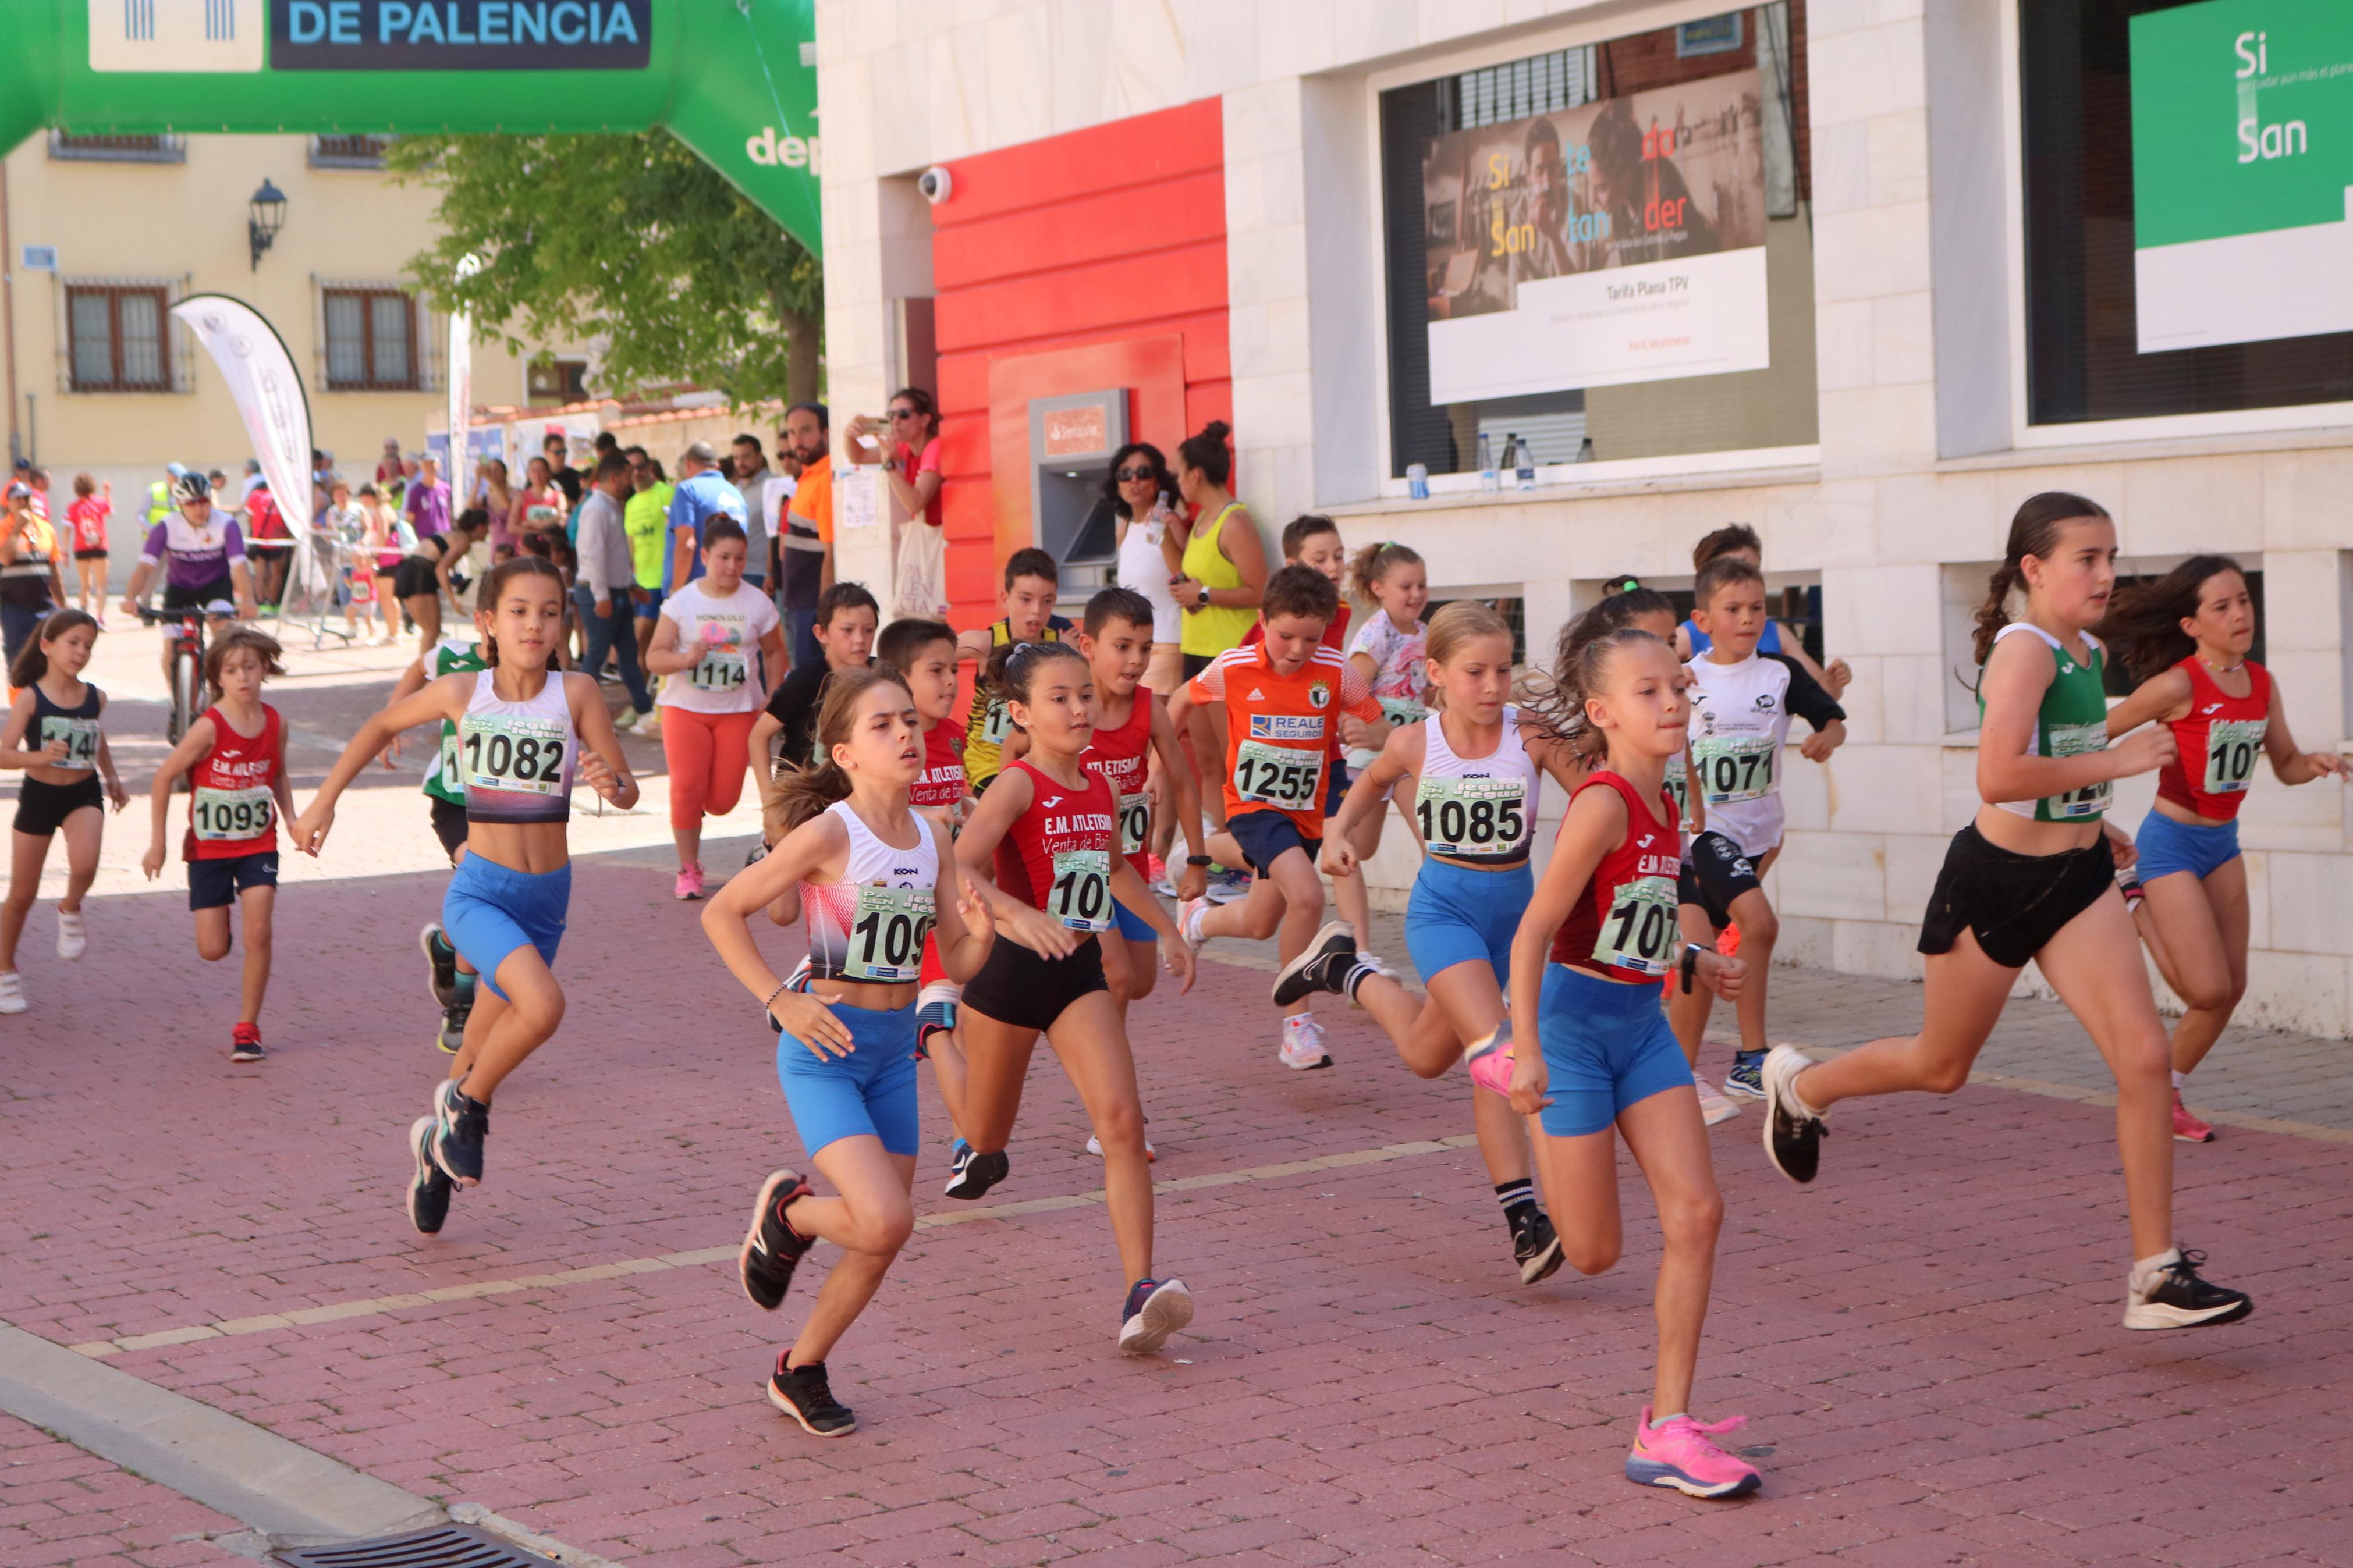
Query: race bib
point(996, 724)
point(887, 932)
point(220, 814)
point(1734, 767)
point(2231, 747)
point(1402, 710)
point(1080, 896)
point(1473, 819)
point(80, 736)
point(1679, 788)
point(447, 772)
point(1278, 775)
point(519, 756)
point(720, 669)
point(1639, 931)
point(2074, 740)
point(1135, 822)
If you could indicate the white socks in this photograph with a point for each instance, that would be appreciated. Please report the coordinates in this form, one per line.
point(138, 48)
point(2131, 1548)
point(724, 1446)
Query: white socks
point(2144, 1272)
point(2179, 1079)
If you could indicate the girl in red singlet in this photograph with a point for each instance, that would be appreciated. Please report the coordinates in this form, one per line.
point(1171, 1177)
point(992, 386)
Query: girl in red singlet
point(234, 761)
point(2185, 638)
point(1057, 822)
point(1586, 964)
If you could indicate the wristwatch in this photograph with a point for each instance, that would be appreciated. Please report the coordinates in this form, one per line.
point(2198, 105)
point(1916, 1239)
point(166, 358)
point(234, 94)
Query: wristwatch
point(1202, 599)
point(1198, 860)
point(1690, 965)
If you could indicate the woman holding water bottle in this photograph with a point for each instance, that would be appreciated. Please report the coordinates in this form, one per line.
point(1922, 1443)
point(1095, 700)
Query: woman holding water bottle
point(1138, 490)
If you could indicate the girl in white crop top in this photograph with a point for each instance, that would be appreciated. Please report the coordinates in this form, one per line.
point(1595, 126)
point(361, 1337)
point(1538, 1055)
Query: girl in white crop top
point(866, 870)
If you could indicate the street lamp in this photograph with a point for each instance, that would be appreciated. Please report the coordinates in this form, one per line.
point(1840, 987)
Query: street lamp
point(267, 212)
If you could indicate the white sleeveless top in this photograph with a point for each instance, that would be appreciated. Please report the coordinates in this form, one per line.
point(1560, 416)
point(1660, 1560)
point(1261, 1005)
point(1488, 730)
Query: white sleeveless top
point(1479, 810)
point(515, 760)
point(870, 925)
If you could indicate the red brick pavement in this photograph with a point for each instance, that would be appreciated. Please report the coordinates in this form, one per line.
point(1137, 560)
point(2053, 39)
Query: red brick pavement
point(1927, 1343)
point(62, 1508)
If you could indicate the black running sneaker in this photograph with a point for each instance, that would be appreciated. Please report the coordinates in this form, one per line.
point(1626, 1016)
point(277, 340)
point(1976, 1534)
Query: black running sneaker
point(2177, 1298)
point(1536, 1248)
point(1793, 1135)
point(461, 1123)
point(452, 1035)
point(441, 965)
point(975, 1172)
point(771, 1247)
point(1325, 965)
point(802, 1392)
point(1155, 1308)
point(428, 1188)
point(245, 1042)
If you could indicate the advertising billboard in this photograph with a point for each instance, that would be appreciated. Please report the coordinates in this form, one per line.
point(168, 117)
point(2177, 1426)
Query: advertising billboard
point(1622, 240)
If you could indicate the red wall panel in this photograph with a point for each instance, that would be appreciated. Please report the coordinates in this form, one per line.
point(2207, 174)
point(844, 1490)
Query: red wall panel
point(1093, 259)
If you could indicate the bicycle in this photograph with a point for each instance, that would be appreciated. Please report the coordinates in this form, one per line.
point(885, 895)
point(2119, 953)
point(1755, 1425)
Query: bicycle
point(188, 650)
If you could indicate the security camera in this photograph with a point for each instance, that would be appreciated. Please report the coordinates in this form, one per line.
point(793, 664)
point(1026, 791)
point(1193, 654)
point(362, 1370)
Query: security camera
point(935, 183)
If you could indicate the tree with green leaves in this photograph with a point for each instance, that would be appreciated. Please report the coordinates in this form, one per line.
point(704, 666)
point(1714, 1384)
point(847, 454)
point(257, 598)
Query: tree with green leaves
point(630, 238)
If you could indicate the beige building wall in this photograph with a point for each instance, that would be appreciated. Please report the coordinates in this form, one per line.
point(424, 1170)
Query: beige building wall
point(184, 224)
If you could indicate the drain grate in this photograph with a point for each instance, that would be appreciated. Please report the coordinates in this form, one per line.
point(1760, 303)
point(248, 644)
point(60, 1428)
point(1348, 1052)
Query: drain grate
point(445, 1546)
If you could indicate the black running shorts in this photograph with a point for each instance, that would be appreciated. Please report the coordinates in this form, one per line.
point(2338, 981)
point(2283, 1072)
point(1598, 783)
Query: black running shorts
point(42, 809)
point(1716, 873)
point(449, 826)
point(1017, 987)
point(2012, 903)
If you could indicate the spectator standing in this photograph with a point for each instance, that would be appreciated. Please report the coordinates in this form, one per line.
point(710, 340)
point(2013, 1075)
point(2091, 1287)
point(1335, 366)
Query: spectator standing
point(909, 451)
point(385, 539)
point(250, 483)
point(751, 477)
point(557, 449)
point(606, 591)
point(805, 550)
point(87, 518)
point(497, 501)
point(540, 505)
point(32, 581)
point(1216, 562)
point(428, 501)
point(647, 517)
point(1140, 489)
point(37, 477)
point(703, 493)
point(390, 471)
point(270, 543)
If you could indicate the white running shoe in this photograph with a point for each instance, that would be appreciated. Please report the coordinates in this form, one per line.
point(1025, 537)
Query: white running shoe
point(1094, 1147)
point(1302, 1044)
point(72, 940)
point(1189, 915)
point(1712, 1106)
point(11, 993)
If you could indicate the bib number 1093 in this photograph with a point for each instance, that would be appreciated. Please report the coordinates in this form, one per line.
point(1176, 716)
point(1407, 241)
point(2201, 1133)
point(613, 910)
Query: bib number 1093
point(1639, 931)
point(223, 814)
point(1080, 896)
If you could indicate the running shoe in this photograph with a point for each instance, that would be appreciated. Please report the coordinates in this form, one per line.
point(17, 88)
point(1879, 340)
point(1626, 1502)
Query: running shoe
point(2174, 1297)
point(772, 1248)
point(1094, 1147)
point(1165, 884)
point(1681, 1455)
point(73, 940)
point(1793, 1134)
point(1155, 1308)
point(453, 1027)
point(1302, 1044)
point(1712, 1106)
point(428, 1188)
point(442, 961)
point(974, 1172)
point(628, 720)
point(803, 1393)
point(690, 882)
point(1536, 1248)
point(2187, 1128)
point(459, 1126)
point(1156, 869)
point(2128, 884)
point(650, 727)
point(1330, 954)
point(245, 1042)
point(1744, 1080)
point(1189, 914)
point(1489, 1061)
point(11, 993)
point(1227, 886)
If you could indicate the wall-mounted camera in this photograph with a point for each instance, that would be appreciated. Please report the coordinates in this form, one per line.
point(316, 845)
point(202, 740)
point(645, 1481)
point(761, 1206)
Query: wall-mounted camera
point(935, 183)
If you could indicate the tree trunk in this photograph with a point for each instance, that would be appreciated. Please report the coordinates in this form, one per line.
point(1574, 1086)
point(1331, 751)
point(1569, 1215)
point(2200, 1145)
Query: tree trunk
point(805, 341)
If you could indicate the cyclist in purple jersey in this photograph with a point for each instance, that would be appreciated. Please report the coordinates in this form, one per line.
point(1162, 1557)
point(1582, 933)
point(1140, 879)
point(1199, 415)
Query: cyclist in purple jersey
point(202, 551)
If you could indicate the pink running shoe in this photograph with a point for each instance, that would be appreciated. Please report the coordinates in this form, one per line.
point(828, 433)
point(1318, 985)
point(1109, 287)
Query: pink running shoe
point(2187, 1128)
point(1490, 1060)
point(690, 882)
point(1680, 1455)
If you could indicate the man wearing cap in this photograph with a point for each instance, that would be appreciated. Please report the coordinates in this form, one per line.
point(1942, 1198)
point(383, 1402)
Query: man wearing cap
point(32, 582)
point(703, 492)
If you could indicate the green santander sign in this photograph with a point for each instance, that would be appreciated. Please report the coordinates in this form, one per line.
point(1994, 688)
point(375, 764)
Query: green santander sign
point(734, 79)
point(2242, 172)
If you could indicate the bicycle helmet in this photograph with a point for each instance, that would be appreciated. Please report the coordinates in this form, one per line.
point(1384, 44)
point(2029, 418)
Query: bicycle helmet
point(191, 487)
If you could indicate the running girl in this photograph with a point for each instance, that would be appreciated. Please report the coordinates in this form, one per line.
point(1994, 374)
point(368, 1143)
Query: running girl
point(1469, 779)
point(1389, 652)
point(87, 515)
point(2185, 638)
point(522, 730)
point(53, 735)
point(721, 647)
point(1605, 915)
point(867, 865)
point(234, 758)
point(2033, 876)
point(1057, 825)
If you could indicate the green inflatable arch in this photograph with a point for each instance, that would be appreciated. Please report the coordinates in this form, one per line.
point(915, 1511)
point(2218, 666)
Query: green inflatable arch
point(734, 79)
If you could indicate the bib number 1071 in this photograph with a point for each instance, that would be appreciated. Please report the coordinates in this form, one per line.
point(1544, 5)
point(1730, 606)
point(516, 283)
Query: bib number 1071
point(1639, 931)
point(1080, 896)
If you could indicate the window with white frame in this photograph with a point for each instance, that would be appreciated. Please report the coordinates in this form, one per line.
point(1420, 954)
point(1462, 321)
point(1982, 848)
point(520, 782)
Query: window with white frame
point(371, 337)
point(1603, 252)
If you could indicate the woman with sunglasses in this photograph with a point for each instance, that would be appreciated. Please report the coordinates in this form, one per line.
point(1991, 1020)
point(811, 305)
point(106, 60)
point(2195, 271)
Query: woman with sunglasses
point(1139, 492)
point(909, 450)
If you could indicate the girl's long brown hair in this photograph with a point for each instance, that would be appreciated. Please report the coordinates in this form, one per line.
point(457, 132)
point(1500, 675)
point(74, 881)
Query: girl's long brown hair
point(797, 793)
point(31, 662)
point(2035, 531)
point(495, 582)
point(2144, 623)
point(1556, 708)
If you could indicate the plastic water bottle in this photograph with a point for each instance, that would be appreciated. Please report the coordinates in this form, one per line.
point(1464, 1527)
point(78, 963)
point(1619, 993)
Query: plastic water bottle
point(1489, 478)
point(1524, 463)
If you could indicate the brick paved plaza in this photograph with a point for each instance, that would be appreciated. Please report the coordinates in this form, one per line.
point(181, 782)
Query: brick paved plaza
point(1926, 1342)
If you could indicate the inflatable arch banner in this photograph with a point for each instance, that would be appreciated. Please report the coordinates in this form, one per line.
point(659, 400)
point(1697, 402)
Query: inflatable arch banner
point(734, 79)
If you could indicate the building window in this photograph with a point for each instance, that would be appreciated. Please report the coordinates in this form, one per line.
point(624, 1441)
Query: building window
point(119, 149)
point(1603, 252)
point(371, 336)
point(117, 339)
point(557, 381)
point(347, 151)
point(2171, 277)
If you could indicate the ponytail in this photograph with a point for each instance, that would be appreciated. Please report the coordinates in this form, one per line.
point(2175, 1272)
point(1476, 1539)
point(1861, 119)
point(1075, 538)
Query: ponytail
point(2035, 531)
point(796, 792)
point(1555, 710)
point(1373, 563)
